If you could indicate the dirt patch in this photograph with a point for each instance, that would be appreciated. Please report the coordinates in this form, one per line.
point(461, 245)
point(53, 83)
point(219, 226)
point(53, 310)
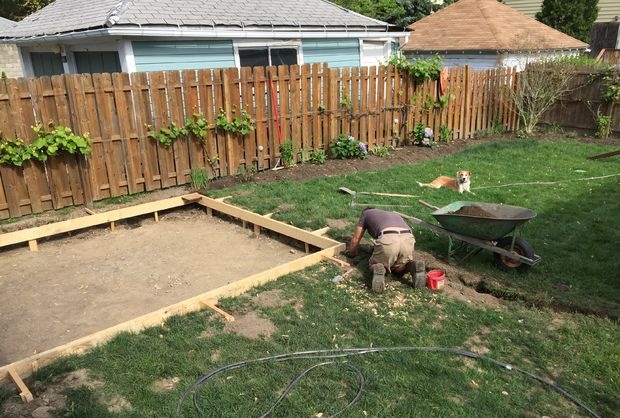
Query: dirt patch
point(251, 326)
point(339, 224)
point(76, 286)
point(165, 385)
point(116, 403)
point(48, 400)
point(473, 211)
point(460, 284)
point(475, 343)
point(270, 299)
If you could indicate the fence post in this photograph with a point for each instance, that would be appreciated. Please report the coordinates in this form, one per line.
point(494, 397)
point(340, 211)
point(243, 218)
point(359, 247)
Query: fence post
point(72, 92)
point(468, 94)
point(226, 92)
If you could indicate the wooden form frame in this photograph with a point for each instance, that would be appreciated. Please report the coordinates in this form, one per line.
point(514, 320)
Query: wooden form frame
point(327, 249)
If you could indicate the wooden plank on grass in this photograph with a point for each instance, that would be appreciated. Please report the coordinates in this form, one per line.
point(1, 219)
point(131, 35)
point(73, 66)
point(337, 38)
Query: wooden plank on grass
point(24, 392)
point(268, 223)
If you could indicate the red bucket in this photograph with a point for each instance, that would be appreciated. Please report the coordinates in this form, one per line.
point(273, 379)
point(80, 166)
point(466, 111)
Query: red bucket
point(435, 279)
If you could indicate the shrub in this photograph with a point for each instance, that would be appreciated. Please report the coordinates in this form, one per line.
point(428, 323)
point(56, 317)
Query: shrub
point(317, 156)
point(345, 147)
point(445, 133)
point(379, 151)
point(287, 153)
point(199, 178)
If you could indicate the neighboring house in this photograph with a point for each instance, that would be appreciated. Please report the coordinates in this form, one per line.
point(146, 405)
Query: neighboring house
point(486, 34)
point(91, 36)
point(10, 64)
point(608, 10)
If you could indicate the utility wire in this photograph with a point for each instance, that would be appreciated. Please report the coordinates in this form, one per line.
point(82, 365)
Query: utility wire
point(544, 183)
point(195, 387)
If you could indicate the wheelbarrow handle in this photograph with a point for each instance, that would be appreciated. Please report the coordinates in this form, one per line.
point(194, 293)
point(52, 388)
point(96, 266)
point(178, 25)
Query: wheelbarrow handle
point(428, 205)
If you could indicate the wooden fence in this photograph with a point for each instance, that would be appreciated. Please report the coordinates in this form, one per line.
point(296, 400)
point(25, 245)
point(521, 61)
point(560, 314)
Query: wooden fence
point(578, 109)
point(310, 104)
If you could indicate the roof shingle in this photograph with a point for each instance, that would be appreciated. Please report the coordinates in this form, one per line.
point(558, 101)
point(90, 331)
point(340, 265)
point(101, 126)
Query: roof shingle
point(65, 16)
point(485, 25)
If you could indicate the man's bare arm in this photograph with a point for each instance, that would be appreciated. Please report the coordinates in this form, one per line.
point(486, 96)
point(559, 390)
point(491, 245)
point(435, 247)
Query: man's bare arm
point(355, 241)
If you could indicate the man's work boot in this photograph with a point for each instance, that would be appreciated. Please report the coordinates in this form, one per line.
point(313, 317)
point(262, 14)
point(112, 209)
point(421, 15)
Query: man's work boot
point(378, 278)
point(418, 274)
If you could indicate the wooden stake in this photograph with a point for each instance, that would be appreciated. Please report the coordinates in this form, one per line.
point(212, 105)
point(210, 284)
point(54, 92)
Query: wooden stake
point(336, 260)
point(321, 231)
point(112, 226)
point(90, 211)
point(307, 247)
point(268, 215)
point(256, 230)
point(211, 304)
point(32, 244)
point(209, 212)
point(156, 215)
point(24, 392)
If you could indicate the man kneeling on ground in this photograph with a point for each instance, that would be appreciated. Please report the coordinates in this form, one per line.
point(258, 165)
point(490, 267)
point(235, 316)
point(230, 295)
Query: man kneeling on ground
point(393, 245)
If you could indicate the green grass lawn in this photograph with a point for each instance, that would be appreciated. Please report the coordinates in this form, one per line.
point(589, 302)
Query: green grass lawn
point(574, 232)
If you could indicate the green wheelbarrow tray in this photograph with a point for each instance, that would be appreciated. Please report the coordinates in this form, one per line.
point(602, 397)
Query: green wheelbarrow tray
point(485, 226)
point(487, 221)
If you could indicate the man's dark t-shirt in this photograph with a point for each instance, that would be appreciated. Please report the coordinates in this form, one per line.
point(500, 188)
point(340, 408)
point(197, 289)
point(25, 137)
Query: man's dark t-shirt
point(375, 220)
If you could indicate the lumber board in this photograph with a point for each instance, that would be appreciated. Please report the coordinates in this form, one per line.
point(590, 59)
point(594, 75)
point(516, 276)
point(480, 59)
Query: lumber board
point(338, 261)
point(321, 231)
point(27, 366)
point(211, 304)
point(24, 392)
point(268, 223)
point(31, 234)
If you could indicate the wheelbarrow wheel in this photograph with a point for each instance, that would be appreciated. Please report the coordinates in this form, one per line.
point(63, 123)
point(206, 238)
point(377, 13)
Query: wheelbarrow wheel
point(522, 247)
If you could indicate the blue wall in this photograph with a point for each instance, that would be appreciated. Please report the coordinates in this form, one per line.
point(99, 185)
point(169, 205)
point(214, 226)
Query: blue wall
point(335, 52)
point(182, 55)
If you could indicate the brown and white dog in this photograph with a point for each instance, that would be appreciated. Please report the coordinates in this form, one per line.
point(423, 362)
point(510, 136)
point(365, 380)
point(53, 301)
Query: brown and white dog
point(459, 184)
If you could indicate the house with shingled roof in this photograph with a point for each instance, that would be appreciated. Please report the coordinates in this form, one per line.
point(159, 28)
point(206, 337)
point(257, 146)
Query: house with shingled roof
point(86, 36)
point(486, 34)
point(10, 64)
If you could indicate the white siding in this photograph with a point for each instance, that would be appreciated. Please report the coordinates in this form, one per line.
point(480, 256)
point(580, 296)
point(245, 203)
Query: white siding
point(607, 9)
point(373, 53)
point(475, 61)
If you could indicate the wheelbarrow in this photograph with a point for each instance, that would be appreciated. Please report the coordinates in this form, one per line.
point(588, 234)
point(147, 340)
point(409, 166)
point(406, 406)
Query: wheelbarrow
point(486, 226)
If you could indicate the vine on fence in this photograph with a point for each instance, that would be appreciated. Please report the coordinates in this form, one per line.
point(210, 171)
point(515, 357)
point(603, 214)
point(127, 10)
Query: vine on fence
point(242, 124)
point(196, 125)
point(60, 139)
point(421, 69)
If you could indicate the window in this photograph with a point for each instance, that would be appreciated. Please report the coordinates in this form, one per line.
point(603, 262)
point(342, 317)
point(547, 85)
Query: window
point(264, 57)
point(46, 64)
point(97, 62)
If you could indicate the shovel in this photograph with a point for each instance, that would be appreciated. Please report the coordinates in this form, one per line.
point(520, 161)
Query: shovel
point(353, 193)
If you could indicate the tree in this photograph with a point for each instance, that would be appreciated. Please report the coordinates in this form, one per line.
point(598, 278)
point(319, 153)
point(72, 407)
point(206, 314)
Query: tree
point(19, 9)
point(539, 86)
point(573, 17)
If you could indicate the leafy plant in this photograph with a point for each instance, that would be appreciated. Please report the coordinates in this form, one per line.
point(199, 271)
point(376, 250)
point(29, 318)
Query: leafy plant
point(287, 153)
point(199, 178)
point(379, 151)
point(198, 126)
point(13, 151)
point(213, 161)
point(345, 147)
point(165, 136)
point(421, 69)
point(304, 155)
point(59, 139)
point(445, 133)
point(317, 156)
point(242, 124)
point(321, 108)
point(603, 126)
point(246, 174)
point(573, 17)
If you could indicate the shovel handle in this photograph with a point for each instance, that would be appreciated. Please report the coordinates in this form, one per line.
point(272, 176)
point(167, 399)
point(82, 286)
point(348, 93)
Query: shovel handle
point(428, 205)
